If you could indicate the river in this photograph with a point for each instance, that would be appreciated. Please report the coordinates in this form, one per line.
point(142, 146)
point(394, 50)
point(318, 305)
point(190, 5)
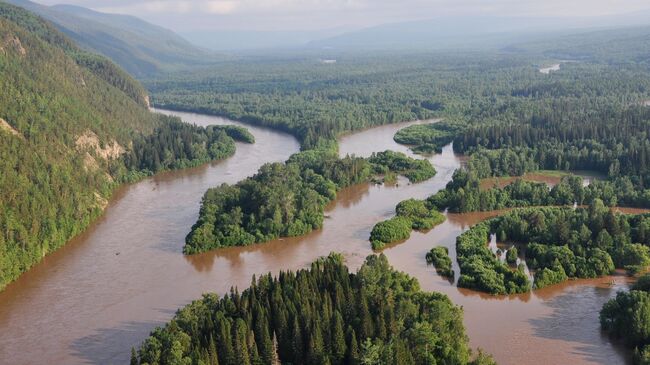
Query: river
point(107, 289)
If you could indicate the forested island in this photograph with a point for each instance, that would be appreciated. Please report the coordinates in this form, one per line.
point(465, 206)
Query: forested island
point(321, 315)
point(63, 150)
point(288, 199)
point(429, 138)
point(411, 214)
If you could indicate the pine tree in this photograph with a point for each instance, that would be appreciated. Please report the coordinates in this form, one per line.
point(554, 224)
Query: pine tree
point(338, 346)
point(242, 356)
point(224, 342)
point(134, 357)
point(275, 360)
point(213, 356)
point(263, 339)
point(297, 345)
point(252, 349)
point(352, 356)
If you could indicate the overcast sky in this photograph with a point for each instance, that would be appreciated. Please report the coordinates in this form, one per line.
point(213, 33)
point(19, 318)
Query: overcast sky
point(190, 15)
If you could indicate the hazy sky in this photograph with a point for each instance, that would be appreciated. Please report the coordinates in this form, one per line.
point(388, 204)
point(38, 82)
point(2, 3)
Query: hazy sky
point(188, 15)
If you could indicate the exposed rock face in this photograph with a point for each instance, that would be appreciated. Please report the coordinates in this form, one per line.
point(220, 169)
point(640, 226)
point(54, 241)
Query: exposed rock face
point(11, 43)
point(90, 141)
point(4, 126)
point(90, 164)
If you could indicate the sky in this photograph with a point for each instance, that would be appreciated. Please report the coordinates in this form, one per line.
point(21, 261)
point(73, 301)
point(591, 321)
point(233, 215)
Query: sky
point(319, 15)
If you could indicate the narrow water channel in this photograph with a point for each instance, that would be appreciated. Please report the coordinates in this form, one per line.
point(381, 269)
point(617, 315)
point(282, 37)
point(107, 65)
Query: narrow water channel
point(102, 293)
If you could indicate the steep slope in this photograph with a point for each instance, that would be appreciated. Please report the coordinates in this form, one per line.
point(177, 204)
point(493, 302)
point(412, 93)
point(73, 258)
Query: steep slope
point(139, 47)
point(72, 126)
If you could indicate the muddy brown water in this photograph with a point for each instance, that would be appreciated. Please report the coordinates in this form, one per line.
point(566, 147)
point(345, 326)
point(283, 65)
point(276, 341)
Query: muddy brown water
point(91, 301)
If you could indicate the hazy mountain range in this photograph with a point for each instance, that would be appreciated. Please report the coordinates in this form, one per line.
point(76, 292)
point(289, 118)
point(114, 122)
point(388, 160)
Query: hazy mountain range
point(145, 49)
point(139, 47)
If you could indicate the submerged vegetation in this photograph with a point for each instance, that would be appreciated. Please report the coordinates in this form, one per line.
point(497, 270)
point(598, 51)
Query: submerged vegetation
point(626, 317)
point(560, 243)
point(324, 315)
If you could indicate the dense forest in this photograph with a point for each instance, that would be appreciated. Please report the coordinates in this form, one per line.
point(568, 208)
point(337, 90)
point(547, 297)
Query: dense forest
point(313, 101)
point(465, 194)
point(177, 145)
point(559, 243)
point(323, 315)
point(63, 150)
point(287, 199)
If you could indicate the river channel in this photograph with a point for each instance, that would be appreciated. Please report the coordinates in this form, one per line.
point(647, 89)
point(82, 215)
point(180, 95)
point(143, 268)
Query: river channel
point(101, 294)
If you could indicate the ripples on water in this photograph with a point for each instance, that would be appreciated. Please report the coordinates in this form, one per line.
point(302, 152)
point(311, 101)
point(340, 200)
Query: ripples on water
point(85, 303)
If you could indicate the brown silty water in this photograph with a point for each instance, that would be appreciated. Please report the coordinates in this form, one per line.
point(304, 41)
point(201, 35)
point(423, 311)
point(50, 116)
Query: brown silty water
point(91, 301)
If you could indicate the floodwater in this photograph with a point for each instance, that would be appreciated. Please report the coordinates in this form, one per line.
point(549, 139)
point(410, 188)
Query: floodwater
point(91, 301)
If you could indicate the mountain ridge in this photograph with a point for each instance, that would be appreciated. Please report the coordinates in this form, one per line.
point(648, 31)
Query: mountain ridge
point(141, 48)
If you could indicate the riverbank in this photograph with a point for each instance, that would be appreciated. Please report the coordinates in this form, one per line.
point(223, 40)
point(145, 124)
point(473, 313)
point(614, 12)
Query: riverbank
point(91, 305)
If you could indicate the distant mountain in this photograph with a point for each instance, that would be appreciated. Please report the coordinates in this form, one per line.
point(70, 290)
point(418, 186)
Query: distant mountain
point(234, 40)
point(469, 32)
point(141, 48)
point(622, 45)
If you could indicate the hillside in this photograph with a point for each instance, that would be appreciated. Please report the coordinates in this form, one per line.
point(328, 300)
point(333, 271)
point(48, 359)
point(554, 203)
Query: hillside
point(475, 32)
point(73, 126)
point(623, 45)
point(141, 48)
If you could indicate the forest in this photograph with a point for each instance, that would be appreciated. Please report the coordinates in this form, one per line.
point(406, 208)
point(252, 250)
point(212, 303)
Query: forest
point(177, 145)
point(559, 243)
point(320, 315)
point(287, 199)
point(63, 150)
point(465, 194)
